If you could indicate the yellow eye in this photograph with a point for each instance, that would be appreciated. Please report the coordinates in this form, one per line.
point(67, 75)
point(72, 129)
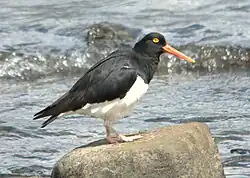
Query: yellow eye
point(156, 40)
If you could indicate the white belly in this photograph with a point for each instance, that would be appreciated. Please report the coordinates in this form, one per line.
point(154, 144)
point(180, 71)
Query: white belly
point(118, 108)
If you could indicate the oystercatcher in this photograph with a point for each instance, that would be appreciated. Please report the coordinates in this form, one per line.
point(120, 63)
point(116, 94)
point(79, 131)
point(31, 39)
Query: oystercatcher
point(110, 89)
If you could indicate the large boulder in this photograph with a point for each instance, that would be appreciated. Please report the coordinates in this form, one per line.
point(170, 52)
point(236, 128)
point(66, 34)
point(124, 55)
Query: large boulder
point(185, 150)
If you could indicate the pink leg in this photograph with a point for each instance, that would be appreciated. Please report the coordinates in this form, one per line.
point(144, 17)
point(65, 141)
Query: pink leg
point(109, 130)
point(118, 137)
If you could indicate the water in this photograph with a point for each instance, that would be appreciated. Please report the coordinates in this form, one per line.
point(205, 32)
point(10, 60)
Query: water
point(47, 45)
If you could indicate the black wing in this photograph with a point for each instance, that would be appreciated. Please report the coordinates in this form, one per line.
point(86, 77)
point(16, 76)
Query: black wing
point(109, 79)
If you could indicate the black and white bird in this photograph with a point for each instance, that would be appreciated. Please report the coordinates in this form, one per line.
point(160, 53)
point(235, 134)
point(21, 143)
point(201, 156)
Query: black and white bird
point(110, 89)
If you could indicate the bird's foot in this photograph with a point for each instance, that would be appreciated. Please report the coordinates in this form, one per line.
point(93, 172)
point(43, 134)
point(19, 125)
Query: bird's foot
point(118, 137)
point(112, 140)
point(124, 138)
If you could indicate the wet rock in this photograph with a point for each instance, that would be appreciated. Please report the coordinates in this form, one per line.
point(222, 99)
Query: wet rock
point(81, 46)
point(209, 59)
point(185, 150)
point(103, 38)
point(105, 32)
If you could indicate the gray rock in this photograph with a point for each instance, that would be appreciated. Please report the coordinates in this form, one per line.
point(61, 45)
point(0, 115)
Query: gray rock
point(105, 32)
point(105, 37)
point(185, 150)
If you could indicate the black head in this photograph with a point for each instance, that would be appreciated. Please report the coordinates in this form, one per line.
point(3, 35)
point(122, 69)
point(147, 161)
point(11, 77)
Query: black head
point(154, 44)
point(151, 44)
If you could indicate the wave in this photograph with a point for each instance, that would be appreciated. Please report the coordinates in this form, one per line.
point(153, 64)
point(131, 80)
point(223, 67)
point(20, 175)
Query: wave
point(30, 61)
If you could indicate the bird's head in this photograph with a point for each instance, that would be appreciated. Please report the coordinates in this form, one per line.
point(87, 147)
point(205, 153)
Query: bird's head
point(155, 44)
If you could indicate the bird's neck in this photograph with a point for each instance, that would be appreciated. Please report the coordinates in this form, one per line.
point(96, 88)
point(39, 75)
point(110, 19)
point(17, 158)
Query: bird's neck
point(148, 65)
point(149, 71)
point(145, 50)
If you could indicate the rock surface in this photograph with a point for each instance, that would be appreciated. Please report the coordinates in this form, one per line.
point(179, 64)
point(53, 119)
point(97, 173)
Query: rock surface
point(185, 150)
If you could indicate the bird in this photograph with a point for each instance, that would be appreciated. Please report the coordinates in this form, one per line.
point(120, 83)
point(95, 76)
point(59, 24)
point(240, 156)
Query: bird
point(112, 87)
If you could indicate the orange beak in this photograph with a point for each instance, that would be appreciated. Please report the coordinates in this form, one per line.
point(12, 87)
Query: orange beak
point(177, 53)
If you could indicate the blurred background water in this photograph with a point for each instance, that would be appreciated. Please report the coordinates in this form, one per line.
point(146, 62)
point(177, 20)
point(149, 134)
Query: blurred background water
point(46, 45)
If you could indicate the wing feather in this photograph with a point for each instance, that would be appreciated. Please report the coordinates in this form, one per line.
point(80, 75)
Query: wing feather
point(105, 81)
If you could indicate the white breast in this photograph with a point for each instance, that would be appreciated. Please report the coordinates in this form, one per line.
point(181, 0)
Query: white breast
point(118, 108)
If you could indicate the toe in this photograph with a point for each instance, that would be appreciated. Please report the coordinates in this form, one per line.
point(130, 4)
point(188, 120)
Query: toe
point(129, 138)
point(112, 140)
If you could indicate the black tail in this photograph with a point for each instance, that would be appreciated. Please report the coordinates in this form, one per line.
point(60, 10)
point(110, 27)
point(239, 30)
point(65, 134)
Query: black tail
point(62, 105)
point(51, 119)
point(49, 111)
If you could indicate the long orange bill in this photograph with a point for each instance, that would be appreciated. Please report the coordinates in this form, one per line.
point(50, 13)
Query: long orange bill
point(177, 53)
